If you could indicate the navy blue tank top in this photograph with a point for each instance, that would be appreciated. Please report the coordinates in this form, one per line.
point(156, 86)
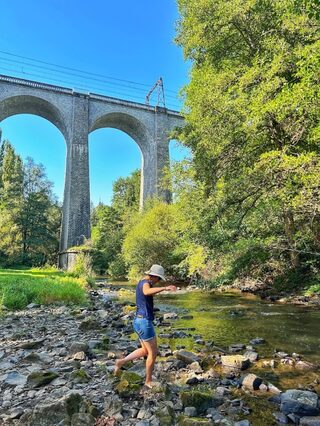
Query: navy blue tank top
point(144, 303)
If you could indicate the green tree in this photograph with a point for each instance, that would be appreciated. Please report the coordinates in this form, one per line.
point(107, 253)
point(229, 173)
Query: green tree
point(253, 124)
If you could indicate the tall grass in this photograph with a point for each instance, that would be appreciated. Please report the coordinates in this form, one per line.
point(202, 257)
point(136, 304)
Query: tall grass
point(18, 288)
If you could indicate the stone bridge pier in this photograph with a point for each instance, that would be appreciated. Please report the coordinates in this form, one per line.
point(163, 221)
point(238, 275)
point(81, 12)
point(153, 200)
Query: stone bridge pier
point(77, 115)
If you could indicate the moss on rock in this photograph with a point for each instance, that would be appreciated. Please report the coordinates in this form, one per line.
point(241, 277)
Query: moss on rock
point(200, 400)
point(41, 378)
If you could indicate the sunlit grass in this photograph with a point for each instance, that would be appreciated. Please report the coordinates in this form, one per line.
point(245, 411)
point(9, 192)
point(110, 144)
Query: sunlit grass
point(18, 288)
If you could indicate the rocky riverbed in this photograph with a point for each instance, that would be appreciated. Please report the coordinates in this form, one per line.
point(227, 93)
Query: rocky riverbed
point(56, 368)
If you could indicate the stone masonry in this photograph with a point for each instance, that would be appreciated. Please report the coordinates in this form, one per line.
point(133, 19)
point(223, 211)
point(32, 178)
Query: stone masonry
point(76, 115)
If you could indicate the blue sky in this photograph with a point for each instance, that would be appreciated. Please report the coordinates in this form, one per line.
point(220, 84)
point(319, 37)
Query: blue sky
point(131, 41)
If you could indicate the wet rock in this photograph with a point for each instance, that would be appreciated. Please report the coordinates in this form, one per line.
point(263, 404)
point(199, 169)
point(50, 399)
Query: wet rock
point(251, 382)
point(187, 357)
point(235, 361)
point(41, 378)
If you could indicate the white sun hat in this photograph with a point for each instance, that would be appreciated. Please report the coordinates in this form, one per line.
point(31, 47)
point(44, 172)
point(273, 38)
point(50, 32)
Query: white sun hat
point(156, 270)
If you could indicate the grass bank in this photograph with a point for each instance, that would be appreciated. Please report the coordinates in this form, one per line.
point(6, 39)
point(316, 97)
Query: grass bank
point(18, 287)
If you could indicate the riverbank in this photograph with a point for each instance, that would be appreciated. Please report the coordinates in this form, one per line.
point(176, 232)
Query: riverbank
point(56, 367)
point(20, 287)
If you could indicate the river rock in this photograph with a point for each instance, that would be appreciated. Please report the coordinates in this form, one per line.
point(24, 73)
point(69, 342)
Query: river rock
point(194, 421)
point(187, 357)
point(78, 347)
point(310, 421)
point(305, 365)
point(236, 347)
point(251, 382)
point(251, 355)
point(82, 419)
point(302, 396)
point(31, 344)
point(14, 378)
point(89, 323)
point(235, 361)
point(57, 412)
point(190, 411)
point(257, 341)
point(170, 315)
point(41, 378)
point(200, 400)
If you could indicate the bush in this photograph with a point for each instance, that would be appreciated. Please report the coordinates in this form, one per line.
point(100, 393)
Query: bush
point(82, 268)
point(152, 239)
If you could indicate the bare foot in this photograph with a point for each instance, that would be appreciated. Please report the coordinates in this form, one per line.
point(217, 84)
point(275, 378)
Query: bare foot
point(118, 365)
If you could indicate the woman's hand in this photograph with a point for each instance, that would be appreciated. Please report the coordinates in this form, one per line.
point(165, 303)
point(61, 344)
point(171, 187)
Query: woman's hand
point(171, 288)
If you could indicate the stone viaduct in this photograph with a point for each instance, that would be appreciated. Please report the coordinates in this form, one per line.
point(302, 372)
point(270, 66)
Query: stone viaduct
point(77, 114)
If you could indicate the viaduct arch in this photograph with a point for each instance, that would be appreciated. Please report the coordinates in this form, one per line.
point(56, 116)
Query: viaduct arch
point(76, 115)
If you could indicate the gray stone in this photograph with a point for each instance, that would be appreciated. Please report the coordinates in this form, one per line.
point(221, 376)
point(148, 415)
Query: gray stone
point(302, 396)
point(82, 419)
point(251, 355)
point(14, 378)
point(190, 411)
point(78, 347)
point(310, 421)
point(281, 418)
point(187, 357)
point(235, 361)
point(242, 423)
point(251, 382)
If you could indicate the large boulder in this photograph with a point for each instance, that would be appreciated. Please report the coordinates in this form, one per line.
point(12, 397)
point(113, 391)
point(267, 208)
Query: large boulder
point(53, 413)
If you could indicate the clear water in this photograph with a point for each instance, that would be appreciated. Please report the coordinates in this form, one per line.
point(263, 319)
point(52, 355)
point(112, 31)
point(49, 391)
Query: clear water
point(228, 318)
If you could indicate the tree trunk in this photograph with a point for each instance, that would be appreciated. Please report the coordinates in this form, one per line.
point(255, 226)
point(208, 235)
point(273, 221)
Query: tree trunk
point(290, 229)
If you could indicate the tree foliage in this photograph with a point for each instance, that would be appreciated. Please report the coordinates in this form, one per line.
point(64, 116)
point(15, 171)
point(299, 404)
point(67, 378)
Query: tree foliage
point(253, 124)
point(29, 214)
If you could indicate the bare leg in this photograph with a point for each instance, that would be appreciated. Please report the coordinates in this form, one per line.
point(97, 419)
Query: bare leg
point(152, 349)
point(138, 353)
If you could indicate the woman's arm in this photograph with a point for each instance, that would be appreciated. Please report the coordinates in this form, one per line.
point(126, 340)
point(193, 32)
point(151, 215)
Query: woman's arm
point(150, 291)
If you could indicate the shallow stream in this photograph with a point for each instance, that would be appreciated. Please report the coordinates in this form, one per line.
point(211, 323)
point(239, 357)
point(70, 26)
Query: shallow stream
point(231, 317)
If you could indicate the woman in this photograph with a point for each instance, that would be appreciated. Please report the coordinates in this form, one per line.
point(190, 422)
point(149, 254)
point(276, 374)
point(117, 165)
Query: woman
point(142, 322)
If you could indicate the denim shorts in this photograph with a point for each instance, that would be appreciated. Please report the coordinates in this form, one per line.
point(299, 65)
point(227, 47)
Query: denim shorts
point(144, 328)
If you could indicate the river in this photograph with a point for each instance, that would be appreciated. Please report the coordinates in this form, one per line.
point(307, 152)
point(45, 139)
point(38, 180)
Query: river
point(231, 317)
